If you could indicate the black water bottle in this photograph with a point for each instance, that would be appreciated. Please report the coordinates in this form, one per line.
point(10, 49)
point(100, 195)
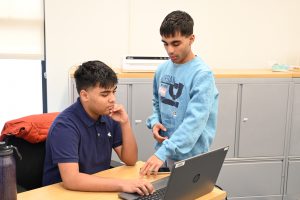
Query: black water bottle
point(8, 186)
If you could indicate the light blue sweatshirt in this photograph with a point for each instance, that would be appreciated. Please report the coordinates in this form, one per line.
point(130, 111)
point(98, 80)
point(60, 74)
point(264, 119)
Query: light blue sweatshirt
point(185, 101)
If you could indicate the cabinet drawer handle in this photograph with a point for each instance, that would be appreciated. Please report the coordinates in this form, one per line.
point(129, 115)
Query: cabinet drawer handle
point(245, 119)
point(138, 121)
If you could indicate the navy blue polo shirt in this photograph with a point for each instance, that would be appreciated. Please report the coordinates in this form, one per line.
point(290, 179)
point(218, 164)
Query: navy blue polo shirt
point(74, 137)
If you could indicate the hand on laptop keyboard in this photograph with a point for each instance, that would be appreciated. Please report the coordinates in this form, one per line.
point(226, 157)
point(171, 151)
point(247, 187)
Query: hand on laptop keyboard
point(157, 195)
point(140, 186)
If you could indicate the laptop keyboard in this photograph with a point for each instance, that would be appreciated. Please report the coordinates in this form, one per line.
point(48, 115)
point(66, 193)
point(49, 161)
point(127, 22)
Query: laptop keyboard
point(157, 195)
point(160, 187)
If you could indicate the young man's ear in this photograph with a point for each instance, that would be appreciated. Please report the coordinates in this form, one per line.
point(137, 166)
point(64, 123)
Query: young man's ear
point(83, 95)
point(192, 39)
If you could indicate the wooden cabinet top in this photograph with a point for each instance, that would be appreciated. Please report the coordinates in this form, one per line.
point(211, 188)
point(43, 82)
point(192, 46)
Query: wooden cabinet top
point(219, 73)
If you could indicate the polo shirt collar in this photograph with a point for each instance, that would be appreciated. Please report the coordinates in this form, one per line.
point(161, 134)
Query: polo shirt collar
point(85, 117)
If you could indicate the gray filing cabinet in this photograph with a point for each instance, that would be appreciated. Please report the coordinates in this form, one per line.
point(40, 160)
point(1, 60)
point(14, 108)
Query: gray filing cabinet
point(293, 180)
point(122, 95)
point(295, 128)
point(293, 172)
point(227, 111)
point(141, 108)
point(252, 179)
point(256, 170)
point(263, 119)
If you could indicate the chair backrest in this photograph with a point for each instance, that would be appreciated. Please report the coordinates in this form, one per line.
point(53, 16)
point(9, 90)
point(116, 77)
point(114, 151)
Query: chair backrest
point(29, 170)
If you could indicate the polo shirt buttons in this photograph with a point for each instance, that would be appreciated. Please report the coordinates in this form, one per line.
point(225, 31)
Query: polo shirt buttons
point(98, 134)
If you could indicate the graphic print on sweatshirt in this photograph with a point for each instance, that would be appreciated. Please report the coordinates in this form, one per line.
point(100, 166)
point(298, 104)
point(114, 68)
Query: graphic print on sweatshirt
point(169, 90)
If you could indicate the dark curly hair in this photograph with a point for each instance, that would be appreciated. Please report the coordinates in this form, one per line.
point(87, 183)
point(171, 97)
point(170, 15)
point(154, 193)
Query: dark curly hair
point(177, 21)
point(91, 73)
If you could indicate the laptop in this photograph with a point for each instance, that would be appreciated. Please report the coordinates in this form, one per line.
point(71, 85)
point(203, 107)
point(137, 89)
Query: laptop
point(189, 179)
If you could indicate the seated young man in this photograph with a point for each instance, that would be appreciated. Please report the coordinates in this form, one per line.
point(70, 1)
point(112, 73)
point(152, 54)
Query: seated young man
point(81, 139)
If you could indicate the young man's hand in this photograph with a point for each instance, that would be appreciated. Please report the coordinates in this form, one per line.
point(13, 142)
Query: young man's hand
point(151, 166)
point(140, 186)
point(155, 131)
point(119, 114)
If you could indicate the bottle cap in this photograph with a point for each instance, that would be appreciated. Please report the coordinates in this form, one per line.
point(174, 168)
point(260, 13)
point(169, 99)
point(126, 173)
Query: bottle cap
point(5, 150)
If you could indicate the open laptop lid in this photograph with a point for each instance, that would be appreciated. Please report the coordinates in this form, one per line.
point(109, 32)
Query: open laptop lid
point(196, 176)
point(192, 177)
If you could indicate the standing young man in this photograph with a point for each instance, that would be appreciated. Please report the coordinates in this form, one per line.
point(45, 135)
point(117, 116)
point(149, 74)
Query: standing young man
point(185, 98)
point(81, 139)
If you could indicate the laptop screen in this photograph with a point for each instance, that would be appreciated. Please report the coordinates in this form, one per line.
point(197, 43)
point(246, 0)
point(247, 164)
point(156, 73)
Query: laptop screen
point(196, 176)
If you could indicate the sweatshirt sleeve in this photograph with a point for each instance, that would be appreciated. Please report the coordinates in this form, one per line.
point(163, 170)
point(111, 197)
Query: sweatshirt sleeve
point(155, 117)
point(202, 98)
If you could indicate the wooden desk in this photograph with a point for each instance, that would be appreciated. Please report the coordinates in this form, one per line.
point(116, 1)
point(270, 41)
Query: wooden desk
point(56, 191)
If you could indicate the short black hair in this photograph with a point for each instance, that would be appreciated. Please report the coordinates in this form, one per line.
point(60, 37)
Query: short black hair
point(177, 21)
point(91, 73)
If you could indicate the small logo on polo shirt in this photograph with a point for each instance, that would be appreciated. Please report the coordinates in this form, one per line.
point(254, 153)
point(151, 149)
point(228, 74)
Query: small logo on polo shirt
point(109, 134)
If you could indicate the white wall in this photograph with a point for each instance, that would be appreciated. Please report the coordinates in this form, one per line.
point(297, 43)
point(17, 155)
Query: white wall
point(229, 34)
point(77, 31)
